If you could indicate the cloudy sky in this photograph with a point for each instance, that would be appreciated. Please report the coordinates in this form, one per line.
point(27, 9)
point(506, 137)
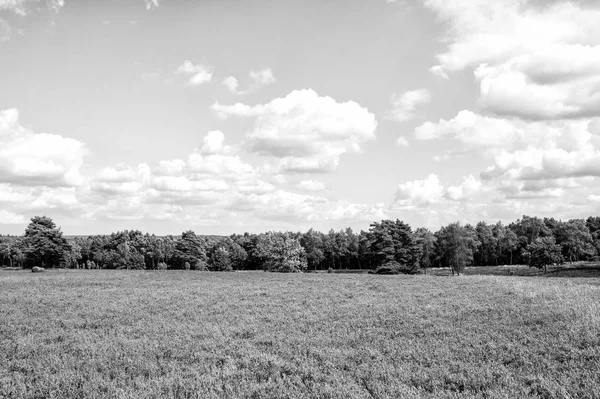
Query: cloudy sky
point(227, 116)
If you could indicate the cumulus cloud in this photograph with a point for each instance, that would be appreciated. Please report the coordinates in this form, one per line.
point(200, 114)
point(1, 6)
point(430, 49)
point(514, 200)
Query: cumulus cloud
point(534, 60)
point(469, 187)
point(259, 79)
point(402, 142)
point(312, 185)
point(262, 77)
point(405, 105)
point(212, 186)
point(523, 150)
point(7, 217)
point(292, 208)
point(303, 131)
point(231, 83)
point(419, 192)
point(23, 7)
point(151, 4)
point(431, 204)
point(198, 74)
point(29, 158)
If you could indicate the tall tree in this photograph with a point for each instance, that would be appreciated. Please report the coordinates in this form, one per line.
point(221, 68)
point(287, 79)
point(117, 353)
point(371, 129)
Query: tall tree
point(455, 246)
point(543, 251)
point(189, 249)
point(528, 229)
point(575, 239)
point(426, 241)
point(280, 252)
point(312, 242)
point(393, 241)
point(485, 254)
point(44, 243)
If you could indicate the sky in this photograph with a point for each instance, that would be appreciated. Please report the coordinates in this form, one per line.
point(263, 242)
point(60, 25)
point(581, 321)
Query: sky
point(227, 116)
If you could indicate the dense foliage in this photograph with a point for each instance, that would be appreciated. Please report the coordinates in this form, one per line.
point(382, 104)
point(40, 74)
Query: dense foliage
point(388, 247)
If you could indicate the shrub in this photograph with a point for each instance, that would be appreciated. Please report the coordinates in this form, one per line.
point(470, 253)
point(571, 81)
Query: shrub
point(186, 266)
point(391, 267)
point(200, 265)
point(161, 266)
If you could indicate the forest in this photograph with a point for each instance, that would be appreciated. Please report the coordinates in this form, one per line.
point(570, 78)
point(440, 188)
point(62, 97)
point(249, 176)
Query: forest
point(388, 247)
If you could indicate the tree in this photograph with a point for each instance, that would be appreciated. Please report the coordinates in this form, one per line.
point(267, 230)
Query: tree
point(189, 248)
point(593, 225)
point(485, 235)
point(220, 259)
point(455, 246)
point(312, 242)
point(11, 250)
point(543, 251)
point(528, 229)
point(506, 243)
point(393, 241)
point(44, 243)
point(575, 239)
point(280, 252)
point(426, 241)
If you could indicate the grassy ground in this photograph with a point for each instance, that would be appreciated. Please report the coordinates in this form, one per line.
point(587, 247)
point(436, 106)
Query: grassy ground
point(88, 333)
point(576, 271)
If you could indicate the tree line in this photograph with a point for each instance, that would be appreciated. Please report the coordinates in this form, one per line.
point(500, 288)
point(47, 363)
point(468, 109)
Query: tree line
point(387, 247)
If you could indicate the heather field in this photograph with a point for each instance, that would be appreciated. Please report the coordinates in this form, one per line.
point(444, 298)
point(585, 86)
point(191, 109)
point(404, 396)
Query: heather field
point(185, 334)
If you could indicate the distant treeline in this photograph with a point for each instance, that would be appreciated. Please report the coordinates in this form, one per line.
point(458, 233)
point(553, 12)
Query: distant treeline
point(388, 247)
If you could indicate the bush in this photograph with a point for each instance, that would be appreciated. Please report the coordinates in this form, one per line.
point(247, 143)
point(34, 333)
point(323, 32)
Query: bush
point(330, 270)
point(391, 267)
point(200, 265)
point(186, 266)
point(161, 266)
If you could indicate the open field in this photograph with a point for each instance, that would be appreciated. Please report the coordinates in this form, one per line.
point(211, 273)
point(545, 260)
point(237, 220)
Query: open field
point(99, 333)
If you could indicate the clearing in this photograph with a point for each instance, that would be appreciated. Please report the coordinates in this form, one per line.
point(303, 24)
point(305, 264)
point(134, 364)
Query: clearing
point(178, 334)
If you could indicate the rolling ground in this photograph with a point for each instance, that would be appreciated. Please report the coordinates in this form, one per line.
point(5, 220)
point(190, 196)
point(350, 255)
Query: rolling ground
point(171, 334)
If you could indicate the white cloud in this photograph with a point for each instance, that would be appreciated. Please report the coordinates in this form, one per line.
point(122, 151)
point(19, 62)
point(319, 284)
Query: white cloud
point(231, 83)
point(471, 129)
point(199, 74)
point(213, 143)
point(152, 4)
point(30, 158)
point(237, 109)
point(419, 192)
point(290, 207)
point(312, 185)
point(405, 105)
point(469, 187)
point(7, 217)
point(402, 142)
point(305, 132)
point(532, 59)
point(23, 7)
point(261, 78)
point(439, 71)
point(213, 186)
point(493, 133)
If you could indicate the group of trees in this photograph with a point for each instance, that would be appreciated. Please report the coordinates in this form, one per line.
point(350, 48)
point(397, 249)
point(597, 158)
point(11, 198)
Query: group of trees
point(388, 247)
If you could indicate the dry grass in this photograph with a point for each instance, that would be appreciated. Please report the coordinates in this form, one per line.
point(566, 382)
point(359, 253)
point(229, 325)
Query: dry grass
point(73, 334)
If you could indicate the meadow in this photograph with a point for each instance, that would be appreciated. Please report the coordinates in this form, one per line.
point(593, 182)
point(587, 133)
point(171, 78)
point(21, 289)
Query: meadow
point(185, 334)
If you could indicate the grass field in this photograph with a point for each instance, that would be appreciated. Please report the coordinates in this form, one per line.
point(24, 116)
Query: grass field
point(88, 333)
